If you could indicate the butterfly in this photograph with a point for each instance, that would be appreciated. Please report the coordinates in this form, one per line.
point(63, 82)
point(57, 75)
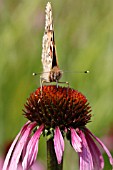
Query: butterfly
point(51, 70)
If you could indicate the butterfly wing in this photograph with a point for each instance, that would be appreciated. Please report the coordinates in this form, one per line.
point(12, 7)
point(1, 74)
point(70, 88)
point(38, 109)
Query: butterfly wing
point(49, 59)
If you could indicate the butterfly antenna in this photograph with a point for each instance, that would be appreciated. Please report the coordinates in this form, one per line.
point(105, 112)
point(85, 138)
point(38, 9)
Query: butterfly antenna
point(34, 74)
point(87, 71)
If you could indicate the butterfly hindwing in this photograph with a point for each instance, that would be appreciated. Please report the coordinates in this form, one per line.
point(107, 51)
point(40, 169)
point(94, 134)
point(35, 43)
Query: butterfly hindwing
point(49, 60)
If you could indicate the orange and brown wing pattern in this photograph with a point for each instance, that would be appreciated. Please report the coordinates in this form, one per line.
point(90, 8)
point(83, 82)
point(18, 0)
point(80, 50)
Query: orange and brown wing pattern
point(49, 58)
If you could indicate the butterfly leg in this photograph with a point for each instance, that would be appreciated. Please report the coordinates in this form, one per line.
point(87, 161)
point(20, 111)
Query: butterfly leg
point(67, 83)
point(41, 84)
point(59, 82)
point(67, 86)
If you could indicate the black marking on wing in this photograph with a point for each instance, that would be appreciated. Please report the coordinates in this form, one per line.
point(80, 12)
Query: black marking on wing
point(54, 61)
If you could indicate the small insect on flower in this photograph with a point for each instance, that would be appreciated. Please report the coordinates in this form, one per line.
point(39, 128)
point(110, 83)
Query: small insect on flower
point(51, 70)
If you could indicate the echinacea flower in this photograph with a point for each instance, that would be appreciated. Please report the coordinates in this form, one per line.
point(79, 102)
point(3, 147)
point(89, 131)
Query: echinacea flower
point(56, 113)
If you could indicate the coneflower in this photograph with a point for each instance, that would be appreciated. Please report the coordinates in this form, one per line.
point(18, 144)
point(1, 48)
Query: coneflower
point(56, 113)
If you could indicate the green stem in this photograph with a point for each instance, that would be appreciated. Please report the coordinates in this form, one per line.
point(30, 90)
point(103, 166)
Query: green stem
point(51, 157)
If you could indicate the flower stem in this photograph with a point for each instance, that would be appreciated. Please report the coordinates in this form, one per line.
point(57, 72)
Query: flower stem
point(52, 163)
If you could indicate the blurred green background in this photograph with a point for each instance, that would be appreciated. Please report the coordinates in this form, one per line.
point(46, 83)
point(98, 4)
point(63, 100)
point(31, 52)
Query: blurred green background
point(84, 41)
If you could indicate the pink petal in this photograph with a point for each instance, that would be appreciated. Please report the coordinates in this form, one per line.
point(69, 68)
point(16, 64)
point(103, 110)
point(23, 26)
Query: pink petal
point(98, 160)
point(58, 144)
point(86, 162)
point(103, 146)
point(7, 159)
point(75, 140)
point(37, 166)
point(32, 149)
point(20, 145)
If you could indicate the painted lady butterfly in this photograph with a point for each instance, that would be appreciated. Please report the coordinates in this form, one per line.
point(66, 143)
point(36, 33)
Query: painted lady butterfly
point(51, 71)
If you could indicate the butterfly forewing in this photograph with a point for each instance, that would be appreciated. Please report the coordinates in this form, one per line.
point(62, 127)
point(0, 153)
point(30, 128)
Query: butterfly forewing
point(51, 71)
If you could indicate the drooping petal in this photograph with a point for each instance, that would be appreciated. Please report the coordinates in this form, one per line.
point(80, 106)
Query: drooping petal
point(32, 149)
point(58, 144)
point(86, 162)
point(8, 156)
point(20, 145)
point(75, 140)
point(98, 160)
point(38, 166)
point(103, 146)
